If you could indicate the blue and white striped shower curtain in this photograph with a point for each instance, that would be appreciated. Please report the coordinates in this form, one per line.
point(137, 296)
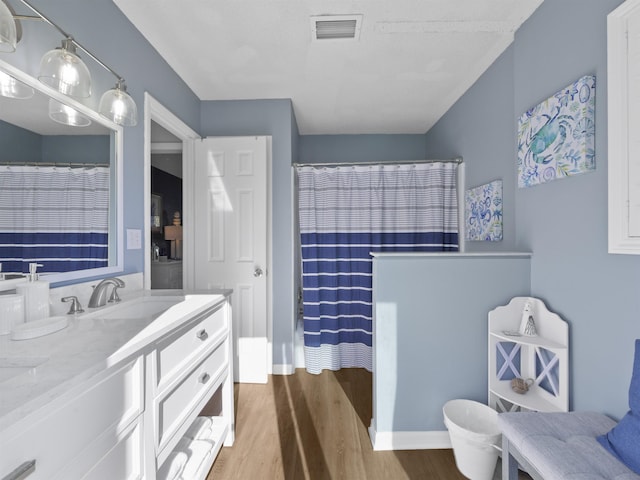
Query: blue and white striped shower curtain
point(346, 213)
point(56, 216)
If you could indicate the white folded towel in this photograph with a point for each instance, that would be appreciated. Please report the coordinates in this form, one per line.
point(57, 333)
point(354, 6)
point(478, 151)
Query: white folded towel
point(173, 466)
point(199, 451)
point(200, 429)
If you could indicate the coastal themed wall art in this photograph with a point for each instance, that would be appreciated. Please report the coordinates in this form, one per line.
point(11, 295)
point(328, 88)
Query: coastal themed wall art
point(556, 137)
point(483, 212)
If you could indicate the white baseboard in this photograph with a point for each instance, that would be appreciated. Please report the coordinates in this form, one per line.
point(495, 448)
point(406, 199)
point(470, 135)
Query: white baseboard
point(426, 440)
point(283, 369)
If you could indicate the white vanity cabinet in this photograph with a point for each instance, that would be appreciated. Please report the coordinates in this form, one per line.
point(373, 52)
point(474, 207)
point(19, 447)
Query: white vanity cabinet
point(123, 420)
point(93, 427)
point(185, 370)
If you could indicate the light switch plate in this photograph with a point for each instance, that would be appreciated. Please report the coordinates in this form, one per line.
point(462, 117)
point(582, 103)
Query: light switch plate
point(134, 239)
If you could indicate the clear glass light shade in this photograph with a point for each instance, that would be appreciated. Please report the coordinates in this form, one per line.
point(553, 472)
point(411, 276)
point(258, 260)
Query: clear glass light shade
point(118, 106)
point(61, 113)
point(63, 70)
point(8, 31)
point(12, 88)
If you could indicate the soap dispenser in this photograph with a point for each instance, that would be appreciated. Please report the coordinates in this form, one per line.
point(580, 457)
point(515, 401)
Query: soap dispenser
point(36, 295)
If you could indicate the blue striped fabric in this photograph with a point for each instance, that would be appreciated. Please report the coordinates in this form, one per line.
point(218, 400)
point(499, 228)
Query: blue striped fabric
point(55, 216)
point(58, 252)
point(397, 208)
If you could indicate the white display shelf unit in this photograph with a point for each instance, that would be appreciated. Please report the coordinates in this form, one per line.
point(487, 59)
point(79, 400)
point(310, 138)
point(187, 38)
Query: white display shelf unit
point(543, 358)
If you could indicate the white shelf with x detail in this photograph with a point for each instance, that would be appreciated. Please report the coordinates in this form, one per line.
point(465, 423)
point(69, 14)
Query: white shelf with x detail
point(529, 342)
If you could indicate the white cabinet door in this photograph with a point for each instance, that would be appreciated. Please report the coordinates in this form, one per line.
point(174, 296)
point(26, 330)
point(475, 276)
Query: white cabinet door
point(74, 432)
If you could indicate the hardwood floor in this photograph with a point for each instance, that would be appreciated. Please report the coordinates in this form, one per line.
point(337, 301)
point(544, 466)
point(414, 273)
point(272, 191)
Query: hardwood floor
point(314, 427)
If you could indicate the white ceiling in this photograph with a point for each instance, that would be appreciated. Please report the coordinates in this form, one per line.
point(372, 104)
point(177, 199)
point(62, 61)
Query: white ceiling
point(413, 60)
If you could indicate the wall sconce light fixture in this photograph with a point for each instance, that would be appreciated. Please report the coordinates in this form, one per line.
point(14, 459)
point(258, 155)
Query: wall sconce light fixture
point(118, 105)
point(62, 69)
point(61, 113)
point(8, 31)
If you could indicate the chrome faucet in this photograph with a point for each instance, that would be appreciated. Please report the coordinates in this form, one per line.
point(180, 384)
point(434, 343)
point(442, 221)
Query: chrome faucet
point(99, 295)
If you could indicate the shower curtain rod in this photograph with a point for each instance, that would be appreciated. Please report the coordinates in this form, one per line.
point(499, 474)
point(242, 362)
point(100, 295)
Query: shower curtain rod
point(364, 164)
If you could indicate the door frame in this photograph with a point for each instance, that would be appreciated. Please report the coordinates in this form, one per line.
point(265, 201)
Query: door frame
point(155, 111)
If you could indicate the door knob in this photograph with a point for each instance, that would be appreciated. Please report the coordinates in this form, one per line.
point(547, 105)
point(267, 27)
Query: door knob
point(258, 272)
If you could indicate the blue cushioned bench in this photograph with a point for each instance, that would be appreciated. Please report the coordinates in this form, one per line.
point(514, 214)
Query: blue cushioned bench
point(558, 446)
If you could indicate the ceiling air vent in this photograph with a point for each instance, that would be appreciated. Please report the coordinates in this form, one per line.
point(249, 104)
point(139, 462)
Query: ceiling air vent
point(335, 27)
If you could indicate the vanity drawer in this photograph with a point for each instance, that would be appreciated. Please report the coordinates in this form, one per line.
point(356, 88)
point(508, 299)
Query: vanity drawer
point(124, 461)
point(174, 407)
point(72, 423)
point(116, 454)
point(178, 349)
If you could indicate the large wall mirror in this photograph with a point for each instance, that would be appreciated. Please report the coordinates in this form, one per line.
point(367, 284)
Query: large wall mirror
point(60, 187)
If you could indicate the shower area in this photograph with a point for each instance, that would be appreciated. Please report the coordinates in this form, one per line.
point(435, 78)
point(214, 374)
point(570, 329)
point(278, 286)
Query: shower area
point(344, 212)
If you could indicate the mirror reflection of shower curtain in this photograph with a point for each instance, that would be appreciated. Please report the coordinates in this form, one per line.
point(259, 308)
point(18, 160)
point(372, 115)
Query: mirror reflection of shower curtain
point(55, 216)
point(345, 213)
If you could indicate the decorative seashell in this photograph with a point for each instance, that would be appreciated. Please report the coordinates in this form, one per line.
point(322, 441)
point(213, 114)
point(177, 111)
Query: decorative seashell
point(520, 385)
point(530, 328)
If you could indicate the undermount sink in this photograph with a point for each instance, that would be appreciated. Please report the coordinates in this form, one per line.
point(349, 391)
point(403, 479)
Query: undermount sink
point(13, 366)
point(147, 307)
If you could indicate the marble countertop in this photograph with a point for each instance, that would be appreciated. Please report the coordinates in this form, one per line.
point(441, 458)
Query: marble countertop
point(90, 343)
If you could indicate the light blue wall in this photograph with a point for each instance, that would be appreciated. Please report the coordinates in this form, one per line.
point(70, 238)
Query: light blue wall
point(76, 149)
point(430, 332)
point(21, 145)
point(480, 129)
point(564, 223)
point(18, 144)
point(274, 118)
point(360, 148)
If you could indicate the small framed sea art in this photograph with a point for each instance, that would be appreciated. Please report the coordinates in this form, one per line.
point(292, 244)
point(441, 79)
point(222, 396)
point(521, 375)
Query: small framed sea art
point(483, 212)
point(556, 137)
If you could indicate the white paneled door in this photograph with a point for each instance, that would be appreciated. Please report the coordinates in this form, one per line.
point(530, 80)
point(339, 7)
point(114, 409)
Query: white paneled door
point(231, 240)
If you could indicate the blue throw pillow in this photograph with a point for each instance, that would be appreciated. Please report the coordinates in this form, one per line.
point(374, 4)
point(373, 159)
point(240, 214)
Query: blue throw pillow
point(623, 440)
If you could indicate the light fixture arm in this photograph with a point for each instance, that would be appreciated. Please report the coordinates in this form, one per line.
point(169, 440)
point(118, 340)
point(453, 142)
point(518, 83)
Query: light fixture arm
point(68, 37)
point(97, 60)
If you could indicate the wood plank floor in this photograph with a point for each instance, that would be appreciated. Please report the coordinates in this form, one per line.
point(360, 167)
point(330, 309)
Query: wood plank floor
point(314, 427)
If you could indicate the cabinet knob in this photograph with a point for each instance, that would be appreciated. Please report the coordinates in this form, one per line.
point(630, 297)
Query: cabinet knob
point(202, 335)
point(204, 378)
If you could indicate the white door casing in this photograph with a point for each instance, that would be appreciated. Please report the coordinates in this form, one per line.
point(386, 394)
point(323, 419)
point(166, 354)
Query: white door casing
point(231, 240)
point(154, 110)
